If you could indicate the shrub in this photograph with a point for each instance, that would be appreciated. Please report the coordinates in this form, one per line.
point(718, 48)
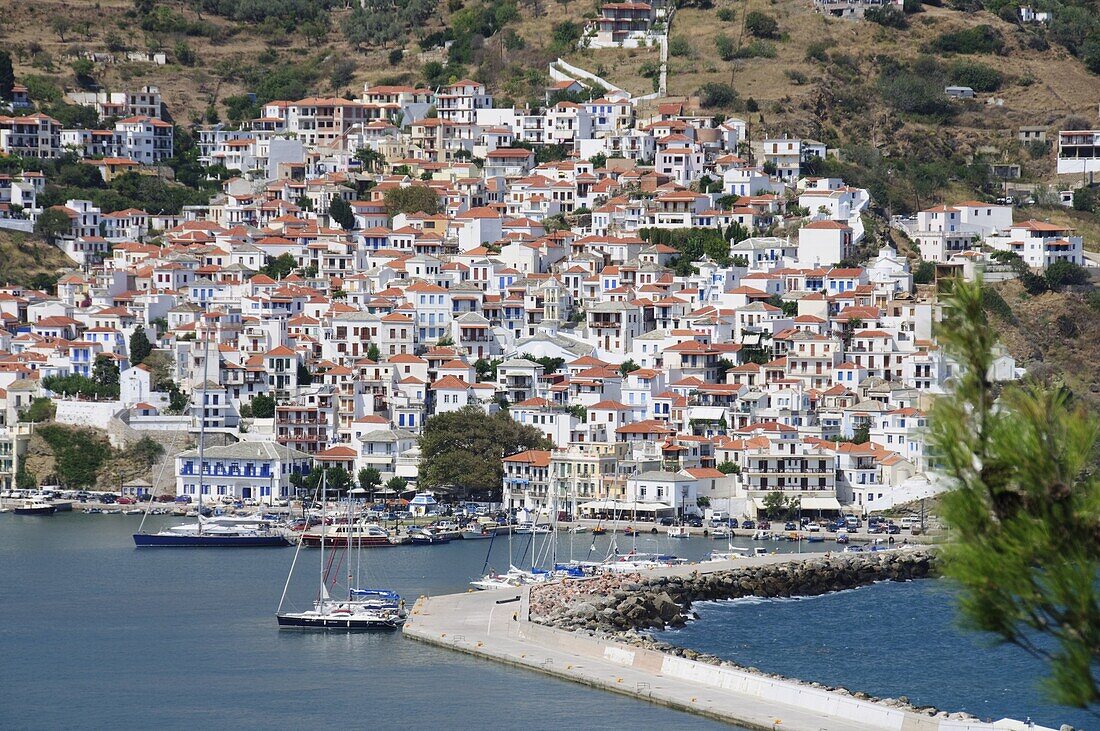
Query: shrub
point(925, 273)
point(726, 47)
point(184, 54)
point(887, 16)
point(679, 46)
point(817, 51)
point(978, 76)
point(761, 25)
point(797, 77)
point(756, 49)
point(1033, 283)
point(1064, 273)
point(912, 6)
point(995, 303)
point(725, 14)
point(717, 94)
point(908, 92)
point(979, 39)
point(395, 56)
point(1085, 199)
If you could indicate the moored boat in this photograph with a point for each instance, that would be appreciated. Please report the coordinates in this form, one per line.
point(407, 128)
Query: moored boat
point(33, 506)
point(425, 537)
point(357, 535)
point(363, 609)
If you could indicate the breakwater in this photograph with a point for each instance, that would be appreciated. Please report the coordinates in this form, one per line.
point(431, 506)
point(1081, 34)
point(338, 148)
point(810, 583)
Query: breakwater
point(620, 605)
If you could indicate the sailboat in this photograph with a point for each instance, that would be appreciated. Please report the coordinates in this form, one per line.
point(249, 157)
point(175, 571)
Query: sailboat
point(363, 609)
point(203, 533)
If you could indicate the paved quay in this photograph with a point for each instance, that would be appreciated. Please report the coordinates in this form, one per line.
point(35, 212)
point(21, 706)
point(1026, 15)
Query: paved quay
point(494, 625)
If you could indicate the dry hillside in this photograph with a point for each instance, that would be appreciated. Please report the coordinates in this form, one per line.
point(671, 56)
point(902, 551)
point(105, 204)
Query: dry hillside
point(1054, 336)
point(27, 258)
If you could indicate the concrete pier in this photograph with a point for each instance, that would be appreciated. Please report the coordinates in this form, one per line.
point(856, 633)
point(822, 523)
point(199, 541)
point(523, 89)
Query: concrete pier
point(494, 625)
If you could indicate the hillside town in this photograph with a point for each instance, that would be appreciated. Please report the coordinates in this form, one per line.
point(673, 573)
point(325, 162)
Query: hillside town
point(692, 316)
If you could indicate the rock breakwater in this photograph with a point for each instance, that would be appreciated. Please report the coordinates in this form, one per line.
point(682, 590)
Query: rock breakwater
point(615, 604)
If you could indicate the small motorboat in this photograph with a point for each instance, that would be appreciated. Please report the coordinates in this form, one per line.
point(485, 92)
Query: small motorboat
point(579, 529)
point(679, 531)
point(721, 533)
point(34, 506)
point(599, 531)
point(427, 538)
point(476, 534)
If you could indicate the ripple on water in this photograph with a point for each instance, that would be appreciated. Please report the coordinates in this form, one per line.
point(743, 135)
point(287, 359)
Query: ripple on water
point(888, 639)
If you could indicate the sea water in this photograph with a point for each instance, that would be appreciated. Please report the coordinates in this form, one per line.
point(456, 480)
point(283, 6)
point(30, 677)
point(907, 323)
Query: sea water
point(97, 634)
point(889, 639)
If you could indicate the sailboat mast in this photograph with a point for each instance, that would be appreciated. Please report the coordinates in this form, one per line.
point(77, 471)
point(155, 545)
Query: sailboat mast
point(202, 423)
point(324, 531)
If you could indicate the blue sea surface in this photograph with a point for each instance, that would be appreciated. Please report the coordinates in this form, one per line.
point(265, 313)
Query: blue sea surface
point(97, 634)
point(889, 640)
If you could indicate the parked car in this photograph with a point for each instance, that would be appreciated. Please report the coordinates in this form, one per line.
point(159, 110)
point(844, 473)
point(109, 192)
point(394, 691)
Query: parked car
point(125, 501)
point(748, 524)
point(667, 521)
point(789, 526)
point(893, 529)
point(695, 522)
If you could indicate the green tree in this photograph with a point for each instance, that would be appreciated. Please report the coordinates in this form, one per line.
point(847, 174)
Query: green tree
point(397, 484)
point(862, 433)
point(78, 453)
point(279, 267)
point(411, 199)
point(463, 449)
point(337, 481)
point(729, 468)
point(140, 347)
point(372, 160)
point(487, 369)
point(549, 365)
point(263, 406)
point(373, 353)
point(146, 451)
point(628, 366)
point(41, 409)
point(105, 371)
point(52, 224)
point(60, 25)
point(1024, 509)
point(761, 24)
point(7, 76)
point(1064, 273)
point(369, 478)
point(778, 506)
point(340, 212)
point(925, 273)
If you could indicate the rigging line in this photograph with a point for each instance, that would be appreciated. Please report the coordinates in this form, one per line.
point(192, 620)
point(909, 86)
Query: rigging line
point(157, 479)
point(297, 550)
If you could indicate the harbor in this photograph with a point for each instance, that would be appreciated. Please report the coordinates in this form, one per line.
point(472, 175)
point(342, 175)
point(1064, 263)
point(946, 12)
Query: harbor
point(188, 639)
point(227, 597)
point(497, 625)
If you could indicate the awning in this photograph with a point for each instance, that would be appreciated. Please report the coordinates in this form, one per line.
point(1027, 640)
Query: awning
point(622, 506)
point(820, 503)
point(807, 502)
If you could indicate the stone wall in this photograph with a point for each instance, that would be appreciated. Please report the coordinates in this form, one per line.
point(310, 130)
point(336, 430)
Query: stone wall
point(618, 604)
